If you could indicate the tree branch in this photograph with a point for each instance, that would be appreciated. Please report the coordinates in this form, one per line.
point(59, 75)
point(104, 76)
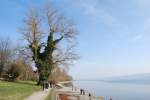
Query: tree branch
point(58, 40)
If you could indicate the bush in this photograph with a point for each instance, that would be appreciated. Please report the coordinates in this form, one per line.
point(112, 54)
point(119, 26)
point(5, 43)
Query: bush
point(19, 70)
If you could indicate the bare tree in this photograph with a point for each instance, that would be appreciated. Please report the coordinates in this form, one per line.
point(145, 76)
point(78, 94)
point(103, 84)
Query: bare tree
point(60, 75)
point(5, 53)
point(50, 38)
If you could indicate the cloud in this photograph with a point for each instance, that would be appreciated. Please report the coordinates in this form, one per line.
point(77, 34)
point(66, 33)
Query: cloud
point(97, 12)
point(137, 38)
point(144, 29)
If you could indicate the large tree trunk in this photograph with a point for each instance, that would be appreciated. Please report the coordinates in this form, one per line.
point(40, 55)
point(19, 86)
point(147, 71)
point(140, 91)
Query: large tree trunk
point(41, 80)
point(1, 69)
point(43, 75)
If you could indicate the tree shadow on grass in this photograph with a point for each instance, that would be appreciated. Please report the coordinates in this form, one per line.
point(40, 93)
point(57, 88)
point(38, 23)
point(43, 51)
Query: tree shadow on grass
point(26, 82)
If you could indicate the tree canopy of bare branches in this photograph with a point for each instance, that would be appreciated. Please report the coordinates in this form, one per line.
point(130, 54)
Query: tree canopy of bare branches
point(5, 53)
point(50, 38)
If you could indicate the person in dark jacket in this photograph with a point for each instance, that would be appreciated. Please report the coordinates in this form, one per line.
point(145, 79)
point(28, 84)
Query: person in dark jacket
point(43, 86)
point(81, 91)
point(90, 96)
point(46, 86)
point(51, 84)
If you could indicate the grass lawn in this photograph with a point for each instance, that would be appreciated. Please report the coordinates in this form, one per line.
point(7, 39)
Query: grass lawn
point(16, 91)
point(51, 95)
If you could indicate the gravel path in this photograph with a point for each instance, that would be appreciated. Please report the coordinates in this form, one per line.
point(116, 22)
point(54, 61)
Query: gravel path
point(41, 95)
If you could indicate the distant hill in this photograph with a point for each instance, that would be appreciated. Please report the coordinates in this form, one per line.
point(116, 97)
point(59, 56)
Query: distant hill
point(137, 78)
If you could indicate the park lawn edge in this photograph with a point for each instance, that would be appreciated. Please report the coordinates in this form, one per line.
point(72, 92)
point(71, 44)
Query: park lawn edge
point(17, 90)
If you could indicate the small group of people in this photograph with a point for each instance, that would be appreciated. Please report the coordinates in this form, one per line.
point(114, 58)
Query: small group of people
point(52, 84)
point(82, 92)
point(47, 84)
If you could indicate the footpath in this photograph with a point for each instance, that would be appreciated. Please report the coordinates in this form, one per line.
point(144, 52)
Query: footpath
point(41, 95)
point(63, 93)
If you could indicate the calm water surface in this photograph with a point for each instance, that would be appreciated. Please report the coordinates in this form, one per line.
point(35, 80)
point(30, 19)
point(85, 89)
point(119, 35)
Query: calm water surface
point(116, 90)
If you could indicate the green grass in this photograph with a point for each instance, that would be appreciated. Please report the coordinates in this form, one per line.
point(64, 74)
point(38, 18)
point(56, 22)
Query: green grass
point(16, 90)
point(51, 95)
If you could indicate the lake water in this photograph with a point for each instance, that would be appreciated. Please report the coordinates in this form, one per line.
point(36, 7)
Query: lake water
point(116, 90)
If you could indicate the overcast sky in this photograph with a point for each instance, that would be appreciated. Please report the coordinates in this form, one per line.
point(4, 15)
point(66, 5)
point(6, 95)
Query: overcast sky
point(114, 35)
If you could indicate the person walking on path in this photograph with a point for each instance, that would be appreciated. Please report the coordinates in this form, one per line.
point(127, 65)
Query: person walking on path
point(81, 91)
point(46, 86)
point(43, 86)
point(110, 98)
point(54, 83)
point(72, 87)
point(51, 84)
point(90, 96)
